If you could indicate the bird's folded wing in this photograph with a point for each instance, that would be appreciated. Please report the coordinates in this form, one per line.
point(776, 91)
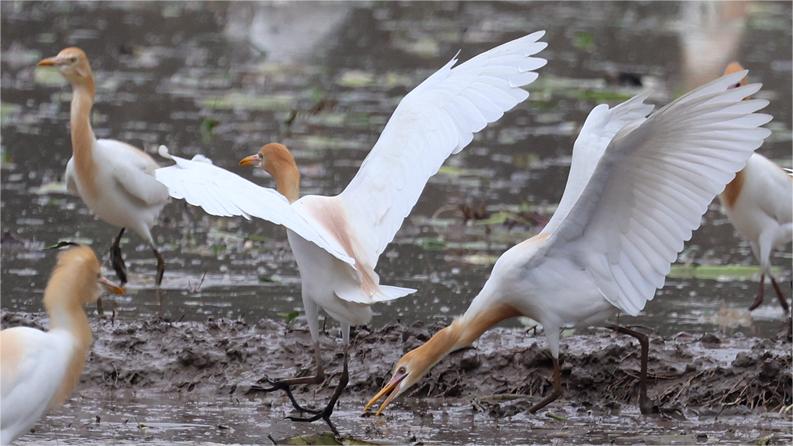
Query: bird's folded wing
point(133, 170)
point(223, 193)
point(32, 371)
point(598, 130)
point(140, 184)
point(652, 185)
point(435, 120)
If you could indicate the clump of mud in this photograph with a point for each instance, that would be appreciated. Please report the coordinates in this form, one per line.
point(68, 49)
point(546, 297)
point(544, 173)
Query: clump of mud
point(600, 370)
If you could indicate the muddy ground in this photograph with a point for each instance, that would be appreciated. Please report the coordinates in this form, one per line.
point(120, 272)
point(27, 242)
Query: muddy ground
point(695, 376)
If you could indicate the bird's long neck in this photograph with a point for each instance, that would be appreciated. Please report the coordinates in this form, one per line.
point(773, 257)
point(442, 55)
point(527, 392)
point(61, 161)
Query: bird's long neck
point(464, 331)
point(83, 138)
point(287, 180)
point(67, 314)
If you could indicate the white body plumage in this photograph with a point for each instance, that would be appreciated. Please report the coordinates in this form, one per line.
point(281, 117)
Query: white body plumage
point(31, 382)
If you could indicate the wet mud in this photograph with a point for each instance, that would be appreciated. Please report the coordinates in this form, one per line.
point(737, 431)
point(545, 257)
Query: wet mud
point(501, 374)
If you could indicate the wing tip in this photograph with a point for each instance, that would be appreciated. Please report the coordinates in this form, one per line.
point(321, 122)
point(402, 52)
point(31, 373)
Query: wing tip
point(163, 152)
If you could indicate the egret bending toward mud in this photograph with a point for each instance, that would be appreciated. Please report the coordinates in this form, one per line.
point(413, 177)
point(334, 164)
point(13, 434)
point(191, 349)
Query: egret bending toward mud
point(114, 179)
point(337, 240)
point(39, 370)
point(638, 186)
point(759, 204)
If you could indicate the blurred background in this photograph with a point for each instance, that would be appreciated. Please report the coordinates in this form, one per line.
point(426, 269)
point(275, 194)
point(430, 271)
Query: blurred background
point(224, 78)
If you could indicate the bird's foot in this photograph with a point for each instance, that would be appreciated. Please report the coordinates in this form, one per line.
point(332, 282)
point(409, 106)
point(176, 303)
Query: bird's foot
point(285, 386)
point(323, 414)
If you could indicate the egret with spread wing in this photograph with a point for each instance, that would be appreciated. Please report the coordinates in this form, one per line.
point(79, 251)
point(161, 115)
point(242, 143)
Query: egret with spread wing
point(638, 186)
point(337, 240)
point(114, 179)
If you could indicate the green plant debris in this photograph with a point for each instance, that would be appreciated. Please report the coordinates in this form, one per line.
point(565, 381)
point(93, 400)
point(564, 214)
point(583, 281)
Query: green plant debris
point(6, 161)
point(480, 259)
point(238, 100)
point(555, 417)
point(355, 79)
point(431, 244)
point(326, 438)
point(451, 171)
point(266, 279)
point(48, 76)
point(207, 128)
point(289, 317)
point(8, 110)
point(716, 272)
point(51, 188)
point(583, 41)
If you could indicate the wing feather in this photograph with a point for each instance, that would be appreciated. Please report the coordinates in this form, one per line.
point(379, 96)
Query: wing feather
point(651, 185)
point(435, 120)
point(223, 193)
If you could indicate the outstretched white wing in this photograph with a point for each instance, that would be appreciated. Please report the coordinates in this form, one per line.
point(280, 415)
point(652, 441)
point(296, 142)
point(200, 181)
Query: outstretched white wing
point(652, 185)
point(220, 192)
point(599, 129)
point(435, 120)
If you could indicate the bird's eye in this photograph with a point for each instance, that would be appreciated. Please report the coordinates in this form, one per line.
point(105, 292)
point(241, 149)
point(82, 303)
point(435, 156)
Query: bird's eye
point(401, 370)
point(72, 59)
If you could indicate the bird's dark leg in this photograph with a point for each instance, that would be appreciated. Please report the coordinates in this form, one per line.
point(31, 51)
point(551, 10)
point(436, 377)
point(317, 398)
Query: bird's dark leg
point(645, 406)
point(160, 266)
point(286, 384)
point(328, 410)
point(759, 298)
point(117, 260)
point(557, 388)
point(779, 295)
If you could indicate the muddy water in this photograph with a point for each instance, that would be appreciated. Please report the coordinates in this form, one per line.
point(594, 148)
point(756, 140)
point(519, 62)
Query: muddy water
point(221, 79)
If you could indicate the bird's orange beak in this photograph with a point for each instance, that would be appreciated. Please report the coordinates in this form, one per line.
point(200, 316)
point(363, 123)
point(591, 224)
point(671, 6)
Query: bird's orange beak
point(111, 287)
point(250, 160)
point(388, 391)
point(50, 62)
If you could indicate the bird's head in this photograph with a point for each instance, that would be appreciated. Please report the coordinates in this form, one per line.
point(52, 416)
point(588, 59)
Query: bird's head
point(271, 157)
point(72, 63)
point(278, 161)
point(408, 371)
point(734, 67)
point(78, 274)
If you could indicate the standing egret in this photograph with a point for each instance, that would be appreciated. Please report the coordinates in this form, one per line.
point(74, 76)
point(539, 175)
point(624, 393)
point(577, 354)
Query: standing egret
point(337, 240)
point(759, 204)
point(638, 186)
point(114, 179)
point(39, 370)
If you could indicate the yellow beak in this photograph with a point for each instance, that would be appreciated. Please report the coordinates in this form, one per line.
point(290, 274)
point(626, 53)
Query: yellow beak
point(49, 62)
point(387, 390)
point(111, 287)
point(250, 160)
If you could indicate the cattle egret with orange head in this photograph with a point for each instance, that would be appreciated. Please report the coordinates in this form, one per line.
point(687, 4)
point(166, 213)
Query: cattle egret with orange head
point(114, 179)
point(759, 204)
point(38, 369)
point(338, 240)
point(638, 186)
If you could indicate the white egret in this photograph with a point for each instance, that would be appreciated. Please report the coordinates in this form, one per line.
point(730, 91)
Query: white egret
point(759, 204)
point(638, 186)
point(337, 240)
point(39, 370)
point(114, 179)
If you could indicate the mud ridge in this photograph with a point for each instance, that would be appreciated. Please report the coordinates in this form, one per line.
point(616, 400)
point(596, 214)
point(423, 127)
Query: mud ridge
point(504, 370)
